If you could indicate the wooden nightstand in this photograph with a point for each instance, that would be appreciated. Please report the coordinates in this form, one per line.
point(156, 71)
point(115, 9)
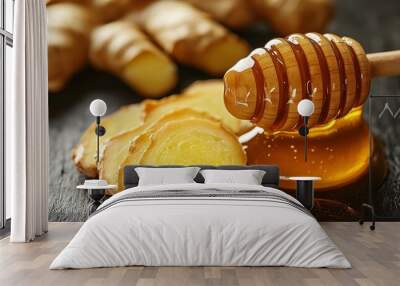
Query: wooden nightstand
point(304, 189)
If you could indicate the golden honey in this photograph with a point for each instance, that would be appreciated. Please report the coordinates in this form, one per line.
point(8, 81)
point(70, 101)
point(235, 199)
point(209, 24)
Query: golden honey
point(338, 152)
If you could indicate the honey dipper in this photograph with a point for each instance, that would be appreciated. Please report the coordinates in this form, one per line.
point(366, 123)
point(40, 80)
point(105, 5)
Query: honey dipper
point(333, 72)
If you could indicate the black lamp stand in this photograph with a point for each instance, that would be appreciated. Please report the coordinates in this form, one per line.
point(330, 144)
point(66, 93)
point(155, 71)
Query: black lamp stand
point(303, 131)
point(100, 131)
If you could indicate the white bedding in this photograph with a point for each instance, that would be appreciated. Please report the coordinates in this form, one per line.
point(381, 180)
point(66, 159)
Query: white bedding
point(188, 231)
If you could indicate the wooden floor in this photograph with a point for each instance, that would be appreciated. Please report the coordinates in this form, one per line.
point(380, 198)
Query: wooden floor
point(375, 257)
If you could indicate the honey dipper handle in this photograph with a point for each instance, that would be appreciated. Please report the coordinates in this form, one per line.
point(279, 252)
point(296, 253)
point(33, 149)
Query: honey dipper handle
point(385, 64)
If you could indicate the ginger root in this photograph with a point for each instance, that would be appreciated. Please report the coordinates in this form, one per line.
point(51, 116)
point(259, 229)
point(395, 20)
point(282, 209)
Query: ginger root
point(110, 10)
point(187, 30)
point(192, 37)
point(168, 142)
point(69, 28)
point(208, 142)
point(132, 150)
point(206, 96)
point(120, 47)
point(232, 13)
point(84, 154)
point(300, 16)
point(114, 154)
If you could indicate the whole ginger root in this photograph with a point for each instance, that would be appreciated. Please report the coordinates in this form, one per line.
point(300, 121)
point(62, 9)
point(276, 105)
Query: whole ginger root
point(288, 16)
point(192, 37)
point(110, 10)
point(69, 28)
point(235, 14)
point(190, 31)
point(121, 48)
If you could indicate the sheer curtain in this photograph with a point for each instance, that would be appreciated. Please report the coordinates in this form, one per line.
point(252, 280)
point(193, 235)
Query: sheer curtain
point(27, 124)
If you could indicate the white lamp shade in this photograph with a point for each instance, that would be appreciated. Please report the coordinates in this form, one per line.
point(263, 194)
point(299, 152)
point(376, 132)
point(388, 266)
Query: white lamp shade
point(98, 107)
point(305, 108)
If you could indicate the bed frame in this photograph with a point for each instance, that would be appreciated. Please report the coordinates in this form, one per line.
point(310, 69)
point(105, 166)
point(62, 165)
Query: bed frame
point(271, 177)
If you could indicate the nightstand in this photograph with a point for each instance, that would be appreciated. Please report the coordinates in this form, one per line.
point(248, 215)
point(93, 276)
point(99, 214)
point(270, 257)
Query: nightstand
point(304, 189)
point(96, 193)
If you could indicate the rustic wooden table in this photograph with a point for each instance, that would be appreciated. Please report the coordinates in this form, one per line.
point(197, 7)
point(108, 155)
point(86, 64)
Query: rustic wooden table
point(374, 23)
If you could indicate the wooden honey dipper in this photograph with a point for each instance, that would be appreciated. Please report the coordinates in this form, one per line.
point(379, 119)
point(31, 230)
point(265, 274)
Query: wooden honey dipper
point(333, 72)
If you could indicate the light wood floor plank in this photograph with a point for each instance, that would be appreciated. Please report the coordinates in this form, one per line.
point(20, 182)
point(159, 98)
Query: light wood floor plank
point(375, 257)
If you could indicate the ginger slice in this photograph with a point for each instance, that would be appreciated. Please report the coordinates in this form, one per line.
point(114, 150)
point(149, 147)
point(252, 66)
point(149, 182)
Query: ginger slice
point(192, 37)
point(116, 149)
point(131, 150)
point(114, 153)
point(169, 142)
point(121, 48)
point(207, 142)
point(207, 96)
point(84, 154)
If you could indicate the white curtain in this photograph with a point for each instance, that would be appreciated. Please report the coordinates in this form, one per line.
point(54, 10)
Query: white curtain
point(27, 124)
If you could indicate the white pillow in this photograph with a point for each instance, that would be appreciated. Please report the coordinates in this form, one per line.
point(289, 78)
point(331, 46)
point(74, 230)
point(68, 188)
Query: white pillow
point(247, 177)
point(165, 176)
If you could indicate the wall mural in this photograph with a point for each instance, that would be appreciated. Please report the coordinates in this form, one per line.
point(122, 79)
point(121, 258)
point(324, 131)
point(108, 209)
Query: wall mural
point(384, 118)
point(164, 91)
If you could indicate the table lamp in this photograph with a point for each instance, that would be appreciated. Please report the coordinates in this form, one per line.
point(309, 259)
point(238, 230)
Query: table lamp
point(305, 108)
point(98, 108)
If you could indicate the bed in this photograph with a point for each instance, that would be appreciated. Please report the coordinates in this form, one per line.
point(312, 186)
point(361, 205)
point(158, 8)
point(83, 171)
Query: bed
point(197, 224)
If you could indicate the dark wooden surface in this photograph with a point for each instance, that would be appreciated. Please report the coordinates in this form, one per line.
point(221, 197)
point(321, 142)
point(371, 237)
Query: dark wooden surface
point(374, 23)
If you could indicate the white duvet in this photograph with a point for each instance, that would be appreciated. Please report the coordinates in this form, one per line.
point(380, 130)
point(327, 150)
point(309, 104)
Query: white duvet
point(203, 231)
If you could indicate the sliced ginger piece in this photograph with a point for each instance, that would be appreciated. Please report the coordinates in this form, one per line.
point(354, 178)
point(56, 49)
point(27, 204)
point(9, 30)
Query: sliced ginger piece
point(222, 145)
point(137, 145)
point(121, 48)
point(116, 150)
point(202, 96)
point(84, 154)
point(206, 96)
point(114, 153)
point(208, 143)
